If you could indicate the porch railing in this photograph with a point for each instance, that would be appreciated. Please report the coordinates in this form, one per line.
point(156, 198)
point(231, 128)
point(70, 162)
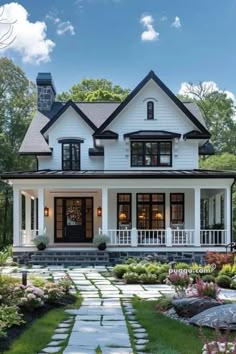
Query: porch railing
point(27, 236)
point(213, 237)
point(168, 237)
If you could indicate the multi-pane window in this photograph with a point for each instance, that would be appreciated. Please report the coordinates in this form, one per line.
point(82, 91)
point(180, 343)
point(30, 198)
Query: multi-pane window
point(151, 154)
point(71, 156)
point(150, 110)
point(204, 213)
point(177, 208)
point(222, 210)
point(124, 209)
point(150, 211)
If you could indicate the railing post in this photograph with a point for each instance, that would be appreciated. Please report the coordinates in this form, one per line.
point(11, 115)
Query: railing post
point(134, 237)
point(168, 237)
point(197, 201)
point(105, 210)
point(17, 210)
point(28, 218)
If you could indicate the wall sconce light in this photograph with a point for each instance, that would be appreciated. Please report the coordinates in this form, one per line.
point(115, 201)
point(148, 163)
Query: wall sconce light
point(46, 211)
point(99, 211)
point(159, 216)
point(122, 216)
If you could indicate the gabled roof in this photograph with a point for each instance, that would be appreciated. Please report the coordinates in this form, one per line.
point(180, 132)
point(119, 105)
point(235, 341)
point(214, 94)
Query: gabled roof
point(151, 134)
point(62, 110)
point(195, 134)
point(152, 76)
point(107, 134)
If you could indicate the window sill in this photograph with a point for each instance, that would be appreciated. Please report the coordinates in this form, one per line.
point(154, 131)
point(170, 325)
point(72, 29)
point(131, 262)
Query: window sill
point(150, 120)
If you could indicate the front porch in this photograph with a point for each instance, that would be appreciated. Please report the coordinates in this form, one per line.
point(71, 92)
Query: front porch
point(158, 219)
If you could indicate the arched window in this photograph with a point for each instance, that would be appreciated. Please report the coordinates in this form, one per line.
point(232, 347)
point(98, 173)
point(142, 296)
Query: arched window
point(150, 110)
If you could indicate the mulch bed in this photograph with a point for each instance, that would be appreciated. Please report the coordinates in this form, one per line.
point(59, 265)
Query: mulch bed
point(29, 318)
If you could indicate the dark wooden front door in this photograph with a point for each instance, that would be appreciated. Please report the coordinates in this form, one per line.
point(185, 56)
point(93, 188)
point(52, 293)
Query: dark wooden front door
point(74, 219)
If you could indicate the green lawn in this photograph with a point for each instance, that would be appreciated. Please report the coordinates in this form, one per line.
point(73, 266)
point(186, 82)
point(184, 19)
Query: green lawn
point(167, 336)
point(38, 335)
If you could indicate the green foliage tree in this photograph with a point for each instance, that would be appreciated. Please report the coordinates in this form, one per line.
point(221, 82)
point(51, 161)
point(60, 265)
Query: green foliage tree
point(94, 90)
point(17, 106)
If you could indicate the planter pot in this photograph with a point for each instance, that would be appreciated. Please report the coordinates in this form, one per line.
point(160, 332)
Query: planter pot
point(41, 246)
point(102, 246)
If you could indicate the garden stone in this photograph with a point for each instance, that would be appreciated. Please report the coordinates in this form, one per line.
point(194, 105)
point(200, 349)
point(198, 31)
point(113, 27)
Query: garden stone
point(134, 325)
point(59, 336)
point(191, 306)
point(55, 343)
point(51, 349)
point(140, 335)
point(61, 330)
point(221, 317)
point(140, 347)
point(141, 341)
point(64, 325)
point(140, 330)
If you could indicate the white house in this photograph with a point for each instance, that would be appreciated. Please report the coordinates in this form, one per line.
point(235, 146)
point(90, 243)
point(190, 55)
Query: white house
point(128, 170)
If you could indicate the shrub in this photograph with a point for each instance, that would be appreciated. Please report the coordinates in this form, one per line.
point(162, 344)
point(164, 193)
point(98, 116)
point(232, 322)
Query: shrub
point(162, 277)
point(148, 278)
point(223, 281)
point(219, 259)
point(164, 268)
point(119, 270)
point(163, 303)
point(131, 278)
point(66, 283)
point(180, 281)
point(5, 254)
point(53, 292)
point(182, 265)
point(132, 260)
point(152, 268)
point(36, 280)
point(208, 278)
point(137, 268)
point(7, 284)
point(9, 316)
point(228, 269)
point(233, 284)
point(206, 289)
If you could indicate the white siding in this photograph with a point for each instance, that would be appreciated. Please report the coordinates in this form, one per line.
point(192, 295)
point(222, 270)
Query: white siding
point(168, 117)
point(70, 124)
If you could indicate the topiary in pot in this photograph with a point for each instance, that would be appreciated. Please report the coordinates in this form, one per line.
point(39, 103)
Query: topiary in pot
point(41, 242)
point(223, 281)
point(101, 241)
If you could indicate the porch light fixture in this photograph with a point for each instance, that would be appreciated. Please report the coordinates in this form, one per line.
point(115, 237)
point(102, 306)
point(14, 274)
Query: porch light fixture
point(46, 211)
point(99, 211)
point(159, 216)
point(122, 216)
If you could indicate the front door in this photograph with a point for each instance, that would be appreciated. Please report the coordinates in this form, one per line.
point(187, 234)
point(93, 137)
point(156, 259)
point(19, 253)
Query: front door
point(74, 219)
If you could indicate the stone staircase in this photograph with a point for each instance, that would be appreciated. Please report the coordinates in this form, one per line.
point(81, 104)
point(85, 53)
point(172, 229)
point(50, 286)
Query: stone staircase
point(69, 258)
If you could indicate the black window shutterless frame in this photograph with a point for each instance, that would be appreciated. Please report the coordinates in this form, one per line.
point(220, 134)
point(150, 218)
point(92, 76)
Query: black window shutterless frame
point(151, 153)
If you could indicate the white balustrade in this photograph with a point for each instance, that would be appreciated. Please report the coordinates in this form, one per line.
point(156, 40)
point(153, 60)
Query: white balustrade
point(151, 237)
point(182, 237)
point(213, 237)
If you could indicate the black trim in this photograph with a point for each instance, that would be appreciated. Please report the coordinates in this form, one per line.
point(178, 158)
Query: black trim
point(178, 203)
point(231, 221)
point(151, 203)
point(180, 105)
point(155, 134)
point(144, 154)
point(107, 134)
point(70, 141)
point(68, 104)
point(70, 161)
point(123, 203)
point(96, 152)
point(194, 134)
point(36, 153)
point(117, 174)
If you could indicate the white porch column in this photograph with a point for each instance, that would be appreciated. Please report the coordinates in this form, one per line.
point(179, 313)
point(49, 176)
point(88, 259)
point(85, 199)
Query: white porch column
point(17, 215)
point(167, 211)
point(28, 218)
point(197, 216)
point(228, 213)
point(41, 198)
point(105, 210)
point(35, 213)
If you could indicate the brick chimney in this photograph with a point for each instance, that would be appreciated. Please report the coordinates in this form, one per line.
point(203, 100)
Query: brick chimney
point(46, 91)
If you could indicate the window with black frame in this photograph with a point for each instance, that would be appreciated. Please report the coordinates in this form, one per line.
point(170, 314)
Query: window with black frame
point(177, 208)
point(71, 156)
point(124, 201)
point(151, 154)
point(150, 110)
point(150, 211)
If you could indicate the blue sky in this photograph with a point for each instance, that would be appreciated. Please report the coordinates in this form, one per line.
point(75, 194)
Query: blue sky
point(186, 40)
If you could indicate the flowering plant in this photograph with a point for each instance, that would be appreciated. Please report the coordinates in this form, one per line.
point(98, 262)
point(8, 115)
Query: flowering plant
point(180, 281)
point(52, 292)
point(29, 297)
point(219, 347)
point(66, 283)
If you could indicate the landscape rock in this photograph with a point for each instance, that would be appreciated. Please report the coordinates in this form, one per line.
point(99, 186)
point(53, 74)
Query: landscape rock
point(222, 317)
point(191, 306)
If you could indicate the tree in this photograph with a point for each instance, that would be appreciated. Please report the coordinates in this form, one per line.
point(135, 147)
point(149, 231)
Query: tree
point(219, 112)
point(94, 90)
point(17, 106)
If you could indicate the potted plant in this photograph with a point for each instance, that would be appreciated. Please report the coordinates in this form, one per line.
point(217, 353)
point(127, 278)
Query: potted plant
point(41, 242)
point(101, 241)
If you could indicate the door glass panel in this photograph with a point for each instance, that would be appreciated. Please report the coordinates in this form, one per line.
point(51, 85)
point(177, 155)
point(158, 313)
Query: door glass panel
point(74, 212)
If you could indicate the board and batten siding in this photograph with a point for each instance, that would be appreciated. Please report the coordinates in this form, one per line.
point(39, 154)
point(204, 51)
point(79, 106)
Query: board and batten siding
point(70, 124)
point(168, 117)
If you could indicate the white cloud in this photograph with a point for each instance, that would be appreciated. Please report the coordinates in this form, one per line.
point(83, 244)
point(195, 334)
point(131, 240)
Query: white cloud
point(31, 40)
point(61, 26)
point(164, 18)
point(207, 88)
point(176, 23)
point(150, 34)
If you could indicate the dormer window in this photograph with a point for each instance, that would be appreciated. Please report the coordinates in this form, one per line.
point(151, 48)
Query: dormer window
point(70, 152)
point(150, 110)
